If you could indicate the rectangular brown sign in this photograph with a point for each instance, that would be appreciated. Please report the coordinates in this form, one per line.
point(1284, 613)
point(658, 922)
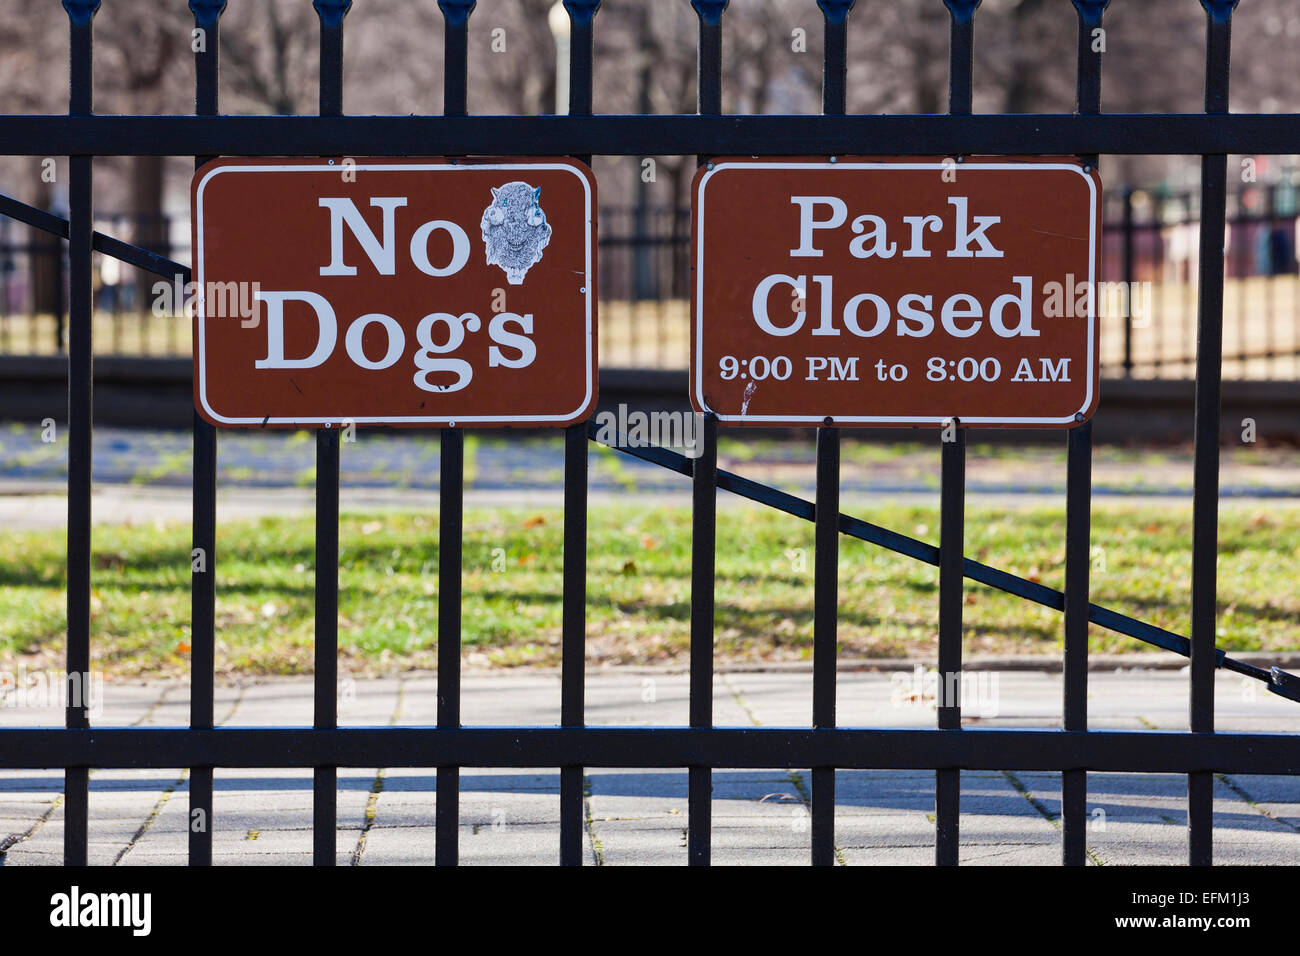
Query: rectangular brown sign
point(894, 293)
point(428, 292)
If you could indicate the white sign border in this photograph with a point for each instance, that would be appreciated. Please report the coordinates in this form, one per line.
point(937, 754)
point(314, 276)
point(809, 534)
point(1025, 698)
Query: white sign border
point(334, 169)
point(901, 420)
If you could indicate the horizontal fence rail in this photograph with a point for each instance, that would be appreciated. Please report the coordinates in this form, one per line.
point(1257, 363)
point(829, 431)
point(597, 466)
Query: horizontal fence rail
point(843, 747)
point(656, 135)
point(701, 747)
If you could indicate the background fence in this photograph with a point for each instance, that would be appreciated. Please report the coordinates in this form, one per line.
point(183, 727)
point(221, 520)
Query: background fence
point(1148, 330)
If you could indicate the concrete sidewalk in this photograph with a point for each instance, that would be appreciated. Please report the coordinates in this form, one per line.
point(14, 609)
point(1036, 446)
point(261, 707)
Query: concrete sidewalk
point(385, 815)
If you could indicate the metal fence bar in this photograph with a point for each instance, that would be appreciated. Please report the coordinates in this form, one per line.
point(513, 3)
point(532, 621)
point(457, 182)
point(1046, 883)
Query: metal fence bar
point(1120, 751)
point(573, 637)
point(825, 634)
point(664, 134)
point(325, 785)
point(704, 505)
point(76, 781)
point(450, 526)
point(573, 627)
point(835, 14)
point(1209, 370)
point(455, 57)
point(203, 560)
point(947, 784)
point(1078, 504)
point(704, 502)
point(961, 55)
point(325, 692)
point(451, 495)
point(1126, 271)
point(947, 780)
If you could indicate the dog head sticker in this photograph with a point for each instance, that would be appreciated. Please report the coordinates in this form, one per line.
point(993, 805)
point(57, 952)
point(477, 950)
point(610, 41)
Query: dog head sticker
point(515, 230)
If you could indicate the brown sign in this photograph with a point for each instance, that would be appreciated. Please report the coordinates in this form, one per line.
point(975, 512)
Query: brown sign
point(428, 292)
point(907, 292)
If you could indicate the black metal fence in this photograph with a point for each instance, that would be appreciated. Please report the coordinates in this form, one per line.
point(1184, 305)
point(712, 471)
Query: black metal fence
point(1073, 750)
point(1150, 254)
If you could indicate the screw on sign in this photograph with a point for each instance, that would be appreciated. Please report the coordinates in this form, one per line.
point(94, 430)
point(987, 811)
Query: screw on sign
point(894, 293)
point(394, 292)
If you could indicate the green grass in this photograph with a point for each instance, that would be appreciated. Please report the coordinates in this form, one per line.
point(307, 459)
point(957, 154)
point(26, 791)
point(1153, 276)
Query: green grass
point(638, 587)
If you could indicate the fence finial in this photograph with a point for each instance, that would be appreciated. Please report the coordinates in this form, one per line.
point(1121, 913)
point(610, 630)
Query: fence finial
point(207, 11)
point(836, 11)
point(1090, 11)
point(710, 11)
point(81, 12)
point(963, 11)
point(456, 12)
point(582, 12)
point(332, 12)
point(1220, 11)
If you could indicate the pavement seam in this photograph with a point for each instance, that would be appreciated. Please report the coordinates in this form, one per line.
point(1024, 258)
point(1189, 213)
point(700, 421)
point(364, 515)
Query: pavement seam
point(17, 838)
point(12, 841)
point(377, 787)
point(793, 776)
point(1046, 814)
point(740, 701)
point(797, 781)
point(166, 794)
point(1253, 803)
point(153, 708)
point(589, 823)
point(234, 705)
point(157, 808)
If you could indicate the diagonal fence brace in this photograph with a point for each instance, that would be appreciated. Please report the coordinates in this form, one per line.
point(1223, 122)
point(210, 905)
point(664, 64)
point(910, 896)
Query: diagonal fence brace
point(131, 255)
point(1279, 681)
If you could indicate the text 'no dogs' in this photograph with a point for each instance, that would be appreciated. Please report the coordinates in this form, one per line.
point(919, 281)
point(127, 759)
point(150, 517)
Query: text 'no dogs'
point(396, 292)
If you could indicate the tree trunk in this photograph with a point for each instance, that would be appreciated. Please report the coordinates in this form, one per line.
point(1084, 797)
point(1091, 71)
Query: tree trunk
point(148, 228)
